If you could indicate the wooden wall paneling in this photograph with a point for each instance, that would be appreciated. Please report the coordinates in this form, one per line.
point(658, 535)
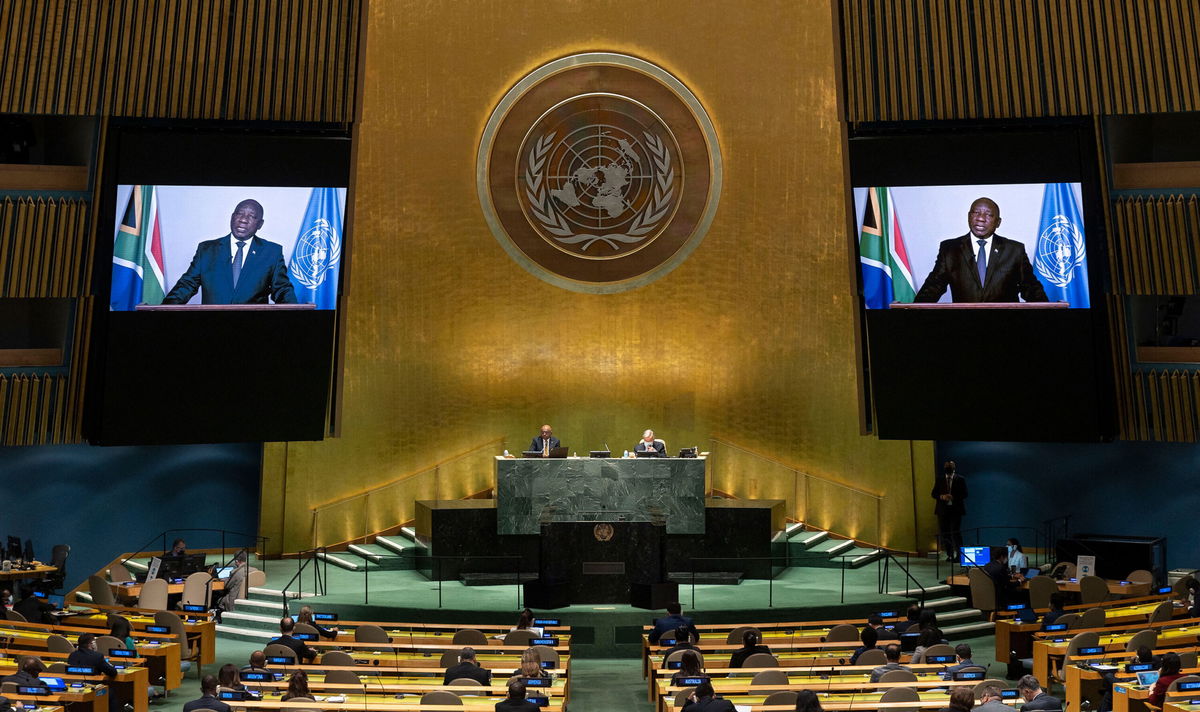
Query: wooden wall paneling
point(38, 242)
point(17, 263)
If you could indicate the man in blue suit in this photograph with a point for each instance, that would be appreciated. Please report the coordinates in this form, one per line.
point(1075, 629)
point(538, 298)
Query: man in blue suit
point(673, 621)
point(544, 442)
point(240, 268)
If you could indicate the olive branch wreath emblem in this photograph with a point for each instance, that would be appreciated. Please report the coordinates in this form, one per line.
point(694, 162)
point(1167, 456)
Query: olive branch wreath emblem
point(542, 207)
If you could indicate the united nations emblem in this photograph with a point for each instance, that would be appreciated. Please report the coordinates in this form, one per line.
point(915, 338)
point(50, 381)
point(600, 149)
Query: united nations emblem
point(318, 250)
point(1060, 249)
point(603, 531)
point(599, 172)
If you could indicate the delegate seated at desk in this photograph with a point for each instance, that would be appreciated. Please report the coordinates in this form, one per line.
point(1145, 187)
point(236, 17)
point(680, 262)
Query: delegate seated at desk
point(544, 442)
point(649, 443)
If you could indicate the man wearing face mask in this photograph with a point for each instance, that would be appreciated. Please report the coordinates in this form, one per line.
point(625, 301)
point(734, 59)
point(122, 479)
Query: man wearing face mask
point(950, 494)
point(239, 268)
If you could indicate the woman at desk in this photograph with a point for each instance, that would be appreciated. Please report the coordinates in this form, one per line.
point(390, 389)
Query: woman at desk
point(1168, 673)
point(649, 444)
point(1016, 556)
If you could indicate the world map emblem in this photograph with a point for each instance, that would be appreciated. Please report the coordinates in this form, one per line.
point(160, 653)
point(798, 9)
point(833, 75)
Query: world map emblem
point(599, 172)
point(318, 250)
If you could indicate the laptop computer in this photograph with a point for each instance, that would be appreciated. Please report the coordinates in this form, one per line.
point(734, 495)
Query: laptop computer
point(1147, 678)
point(224, 572)
point(559, 452)
point(1030, 573)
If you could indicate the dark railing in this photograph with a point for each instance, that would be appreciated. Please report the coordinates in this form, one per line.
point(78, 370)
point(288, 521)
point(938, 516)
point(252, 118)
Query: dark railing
point(885, 569)
point(304, 560)
point(769, 567)
point(259, 543)
point(1056, 528)
point(433, 568)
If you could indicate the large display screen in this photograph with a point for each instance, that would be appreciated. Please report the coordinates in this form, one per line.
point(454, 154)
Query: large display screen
point(921, 244)
point(971, 341)
point(222, 253)
point(187, 244)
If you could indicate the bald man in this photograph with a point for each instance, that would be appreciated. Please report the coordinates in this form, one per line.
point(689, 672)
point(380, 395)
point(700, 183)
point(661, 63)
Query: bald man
point(982, 266)
point(240, 268)
point(544, 441)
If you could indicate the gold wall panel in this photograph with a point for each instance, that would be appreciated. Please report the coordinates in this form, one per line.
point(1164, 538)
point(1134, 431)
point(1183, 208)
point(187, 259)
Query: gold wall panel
point(292, 60)
point(450, 343)
point(946, 59)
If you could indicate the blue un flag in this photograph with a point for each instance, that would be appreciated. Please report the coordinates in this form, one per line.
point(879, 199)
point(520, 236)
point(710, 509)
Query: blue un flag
point(318, 252)
point(1060, 257)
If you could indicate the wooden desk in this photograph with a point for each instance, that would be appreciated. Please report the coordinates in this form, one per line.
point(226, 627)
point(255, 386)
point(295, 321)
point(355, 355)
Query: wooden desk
point(1115, 588)
point(1047, 652)
point(370, 703)
point(816, 675)
point(130, 685)
point(131, 591)
point(741, 686)
point(90, 698)
point(39, 570)
point(203, 630)
point(1013, 635)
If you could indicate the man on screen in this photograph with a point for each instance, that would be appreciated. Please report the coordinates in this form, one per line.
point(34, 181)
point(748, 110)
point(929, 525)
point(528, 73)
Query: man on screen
point(982, 266)
point(240, 268)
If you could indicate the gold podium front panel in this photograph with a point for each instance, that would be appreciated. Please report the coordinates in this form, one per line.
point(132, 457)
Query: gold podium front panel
point(450, 343)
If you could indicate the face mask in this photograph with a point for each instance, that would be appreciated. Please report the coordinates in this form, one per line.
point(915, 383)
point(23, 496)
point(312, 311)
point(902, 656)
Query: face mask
point(1012, 550)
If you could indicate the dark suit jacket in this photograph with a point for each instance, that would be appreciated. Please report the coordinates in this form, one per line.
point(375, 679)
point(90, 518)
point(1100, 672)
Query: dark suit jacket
point(303, 652)
point(35, 610)
point(668, 624)
point(24, 679)
point(1009, 273)
point(536, 443)
point(206, 703)
point(264, 274)
point(738, 659)
point(709, 704)
point(92, 659)
point(957, 491)
point(657, 446)
point(468, 669)
point(1043, 702)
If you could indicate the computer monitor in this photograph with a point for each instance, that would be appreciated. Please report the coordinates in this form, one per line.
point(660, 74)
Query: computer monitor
point(191, 563)
point(55, 684)
point(975, 555)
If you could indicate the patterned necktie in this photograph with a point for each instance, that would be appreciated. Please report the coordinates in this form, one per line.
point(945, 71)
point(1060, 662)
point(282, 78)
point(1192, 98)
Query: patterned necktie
point(237, 262)
point(981, 260)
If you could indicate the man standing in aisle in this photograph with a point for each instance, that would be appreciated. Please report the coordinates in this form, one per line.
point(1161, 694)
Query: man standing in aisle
point(950, 493)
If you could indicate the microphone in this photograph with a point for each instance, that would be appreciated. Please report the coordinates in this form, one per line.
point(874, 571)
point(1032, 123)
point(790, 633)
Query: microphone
point(606, 447)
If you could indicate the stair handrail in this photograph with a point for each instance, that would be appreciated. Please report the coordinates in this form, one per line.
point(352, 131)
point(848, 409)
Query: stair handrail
point(392, 483)
point(888, 558)
point(350, 517)
point(260, 542)
point(303, 559)
point(808, 478)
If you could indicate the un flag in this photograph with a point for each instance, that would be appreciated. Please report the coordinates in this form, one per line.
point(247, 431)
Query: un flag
point(1060, 257)
point(318, 252)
